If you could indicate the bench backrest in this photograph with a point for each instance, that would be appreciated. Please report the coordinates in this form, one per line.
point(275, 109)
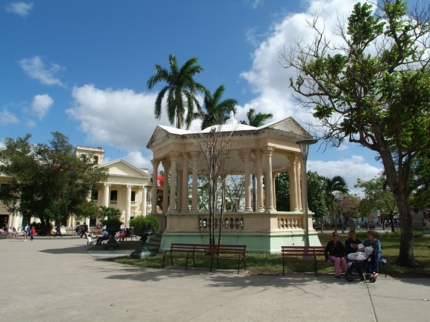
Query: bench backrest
point(303, 250)
point(233, 249)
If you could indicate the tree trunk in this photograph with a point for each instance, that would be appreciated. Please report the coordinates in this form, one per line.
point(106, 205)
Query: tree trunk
point(406, 253)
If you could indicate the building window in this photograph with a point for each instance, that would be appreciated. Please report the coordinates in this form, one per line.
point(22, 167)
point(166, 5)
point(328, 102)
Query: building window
point(133, 196)
point(83, 158)
point(96, 159)
point(95, 195)
point(113, 196)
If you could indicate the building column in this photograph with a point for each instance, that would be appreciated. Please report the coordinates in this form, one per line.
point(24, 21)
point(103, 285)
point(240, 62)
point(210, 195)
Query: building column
point(194, 206)
point(106, 194)
point(248, 208)
point(223, 184)
point(258, 155)
point(144, 202)
point(269, 199)
point(166, 167)
point(184, 189)
point(128, 206)
point(173, 158)
point(155, 164)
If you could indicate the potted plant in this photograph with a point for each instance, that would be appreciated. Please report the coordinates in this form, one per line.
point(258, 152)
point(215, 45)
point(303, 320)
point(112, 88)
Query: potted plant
point(144, 227)
point(111, 219)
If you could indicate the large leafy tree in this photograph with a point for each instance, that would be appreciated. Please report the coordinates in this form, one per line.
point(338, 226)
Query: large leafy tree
point(332, 188)
point(373, 88)
point(180, 89)
point(215, 109)
point(46, 180)
point(377, 197)
point(258, 119)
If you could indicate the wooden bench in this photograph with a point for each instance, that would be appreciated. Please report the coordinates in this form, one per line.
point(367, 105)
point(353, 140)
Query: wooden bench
point(302, 254)
point(206, 251)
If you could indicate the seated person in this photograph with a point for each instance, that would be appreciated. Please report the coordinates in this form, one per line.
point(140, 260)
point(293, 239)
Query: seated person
point(335, 252)
point(351, 244)
point(376, 255)
point(124, 233)
point(104, 236)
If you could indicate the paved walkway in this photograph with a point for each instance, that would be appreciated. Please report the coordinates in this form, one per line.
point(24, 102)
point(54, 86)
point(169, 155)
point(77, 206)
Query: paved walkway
point(54, 279)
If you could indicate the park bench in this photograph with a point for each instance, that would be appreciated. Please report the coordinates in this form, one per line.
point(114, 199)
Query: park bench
point(206, 251)
point(302, 254)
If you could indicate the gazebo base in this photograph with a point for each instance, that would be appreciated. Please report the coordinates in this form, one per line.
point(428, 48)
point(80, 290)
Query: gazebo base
point(256, 242)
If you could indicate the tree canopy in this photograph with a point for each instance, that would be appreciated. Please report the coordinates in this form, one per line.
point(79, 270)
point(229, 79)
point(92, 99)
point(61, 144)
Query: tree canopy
point(371, 86)
point(214, 110)
point(258, 119)
point(180, 89)
point(46, 181)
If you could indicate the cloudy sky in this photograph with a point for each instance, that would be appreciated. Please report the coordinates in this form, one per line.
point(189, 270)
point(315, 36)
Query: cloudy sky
point(80, 67)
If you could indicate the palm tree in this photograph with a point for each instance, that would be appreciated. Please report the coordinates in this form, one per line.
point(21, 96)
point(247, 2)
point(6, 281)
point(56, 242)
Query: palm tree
point(181, 89)
point(336, 184)
point(256, 120)
point(216, 110)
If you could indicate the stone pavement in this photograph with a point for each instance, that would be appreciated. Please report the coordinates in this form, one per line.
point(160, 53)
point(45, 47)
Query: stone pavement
point(54, 279)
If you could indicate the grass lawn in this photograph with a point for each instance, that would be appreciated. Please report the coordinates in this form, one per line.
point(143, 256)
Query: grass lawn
point(257, 263)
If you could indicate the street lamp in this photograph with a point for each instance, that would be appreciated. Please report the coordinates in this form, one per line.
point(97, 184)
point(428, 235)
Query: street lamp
point(304, 148)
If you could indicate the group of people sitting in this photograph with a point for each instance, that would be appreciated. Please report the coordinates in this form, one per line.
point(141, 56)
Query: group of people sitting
point(120, 236)
point(354, 249)
point(9, 232)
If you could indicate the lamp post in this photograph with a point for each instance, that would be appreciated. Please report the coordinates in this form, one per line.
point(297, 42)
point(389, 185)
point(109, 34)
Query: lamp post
point(304, 148)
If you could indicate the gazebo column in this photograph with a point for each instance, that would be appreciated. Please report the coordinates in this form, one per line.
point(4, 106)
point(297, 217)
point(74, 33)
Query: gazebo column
point(269, 199)
point(128, 206)
point(294, 204)
point(166, 167)
point(173, 158)
point(155, 164)
point(299, 185)
point(248, 207)
point(274, 189)
point(195, 156)
point(106, 194)
point(258, 155)
point(179, 190)
point(184, 189)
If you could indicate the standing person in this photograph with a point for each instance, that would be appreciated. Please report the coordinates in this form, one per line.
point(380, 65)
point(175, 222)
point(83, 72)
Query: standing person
point(26, 231)
point(376, 255)
point(58, 230)
point(335, 252)
point(32, 233)
point(84, 230)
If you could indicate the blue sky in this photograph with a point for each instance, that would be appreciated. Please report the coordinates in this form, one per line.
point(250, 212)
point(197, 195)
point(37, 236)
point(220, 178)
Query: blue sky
point(80, 67)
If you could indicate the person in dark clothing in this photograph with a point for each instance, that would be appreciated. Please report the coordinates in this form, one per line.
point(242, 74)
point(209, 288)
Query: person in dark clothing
point(84, 230)
point(58, 230)
point(351, 246)
point(335, 252)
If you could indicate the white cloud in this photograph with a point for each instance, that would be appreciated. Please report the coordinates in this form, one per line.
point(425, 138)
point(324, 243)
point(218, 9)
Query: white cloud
point(267, 78)
point(2, 145)
point(350, 169)
point(254, 3)
point(22, 9)
point(30, 124)
point(41, 104)
point(7, 118)
point(120, 118)
point(138, 160)
point(36, 68)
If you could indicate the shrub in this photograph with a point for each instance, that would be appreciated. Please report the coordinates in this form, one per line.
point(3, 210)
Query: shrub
point(142, 223)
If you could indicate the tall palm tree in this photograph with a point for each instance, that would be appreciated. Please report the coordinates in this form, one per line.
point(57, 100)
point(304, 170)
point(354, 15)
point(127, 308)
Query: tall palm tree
point(258, 119)
point(335, 184)
point(181, 91)
point(216, 110)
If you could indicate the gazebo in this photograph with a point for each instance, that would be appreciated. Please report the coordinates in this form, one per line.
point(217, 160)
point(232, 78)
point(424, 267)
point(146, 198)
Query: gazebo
point(264, 152)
